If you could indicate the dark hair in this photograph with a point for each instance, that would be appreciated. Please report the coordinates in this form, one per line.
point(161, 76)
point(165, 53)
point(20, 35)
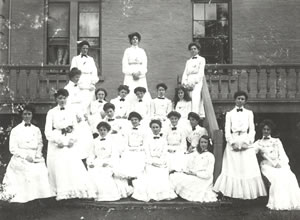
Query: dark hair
point(134, 34)
point(140, 89)
point(29, 108)
point(82, 43)
point(174, 113)
point(155, 121)
point(108, 106)
point(74, 71)
point(194, 115)
point(62, 92)
point(267, 122)
point(240, 93)
point(186, 95)
point(134, 115)
point(206, 137)
point(104, 124)
point(162, 85)
point(103, 90)
point(194, 44)
point(123, 87)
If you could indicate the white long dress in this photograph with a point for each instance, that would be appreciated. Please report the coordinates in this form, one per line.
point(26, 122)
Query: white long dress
point(154, 183)
point(284, 192)
point(88, 78)
point(176, 147)
point(84, 141)
point(132, 162)
point(67, 174)
point(196, 187)
point(194, 135)
point(25, 181)
point(240, 177)
point(193, 76)
point(105, 159)
point(135, 60)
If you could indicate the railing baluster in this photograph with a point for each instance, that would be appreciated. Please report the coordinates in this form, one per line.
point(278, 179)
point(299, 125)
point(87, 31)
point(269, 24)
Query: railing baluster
point(287, 95)
point(209, 82)
point(229, 95)
point(219, 84)
point(38, 78)
point(248, 81)
point(27, 83)
point(297, 83)
point(278, 83)
point(268, 94)
point(17, 82)
point(258, 83)
point(239, 79)
point(57, 82)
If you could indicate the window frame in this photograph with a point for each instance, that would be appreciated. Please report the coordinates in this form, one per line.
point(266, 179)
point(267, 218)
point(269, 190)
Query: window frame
point(229, 2)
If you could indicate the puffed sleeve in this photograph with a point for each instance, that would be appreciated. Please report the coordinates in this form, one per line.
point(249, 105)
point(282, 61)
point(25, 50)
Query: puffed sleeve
point(283, 159)
point(169, 107)
point(39, 143)
point(201, 69)
point(94, 71)
point(184, 79)
point(92, 156)
point(251, 133)
point(228, 135)
point(256, 146)
point(13, 143)
point(49, 132)
point(74, 63)
point(144, 61)
point(125, 64)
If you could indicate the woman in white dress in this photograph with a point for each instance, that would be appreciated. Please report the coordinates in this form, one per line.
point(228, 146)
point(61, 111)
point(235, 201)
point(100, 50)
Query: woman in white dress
point(196, 181)
point(193, 76)
point(101, 165)
point(154, 183)
point(240, 177)
point(67, 174)
point(97, 113)
point(26, 176)
point(182, 103)
point(134, 65)
point(284, 192)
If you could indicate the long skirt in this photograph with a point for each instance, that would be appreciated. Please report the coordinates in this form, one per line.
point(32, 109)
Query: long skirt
point(25, 181)
point(240, 177)
point(67, 174)
point(284, 193)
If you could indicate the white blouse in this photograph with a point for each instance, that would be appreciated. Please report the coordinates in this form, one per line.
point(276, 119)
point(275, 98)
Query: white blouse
point(194, 71)
point(184, 108)
point(134, 59)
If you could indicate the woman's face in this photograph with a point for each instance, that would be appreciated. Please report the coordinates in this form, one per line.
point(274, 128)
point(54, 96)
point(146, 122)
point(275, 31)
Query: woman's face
point(180, 94)
point(174, 120)
point(100, 95)
point(240, 101)
point(135, 41)
point(139, 94)
point(103, 131)
point(61, 100)
point(161, 92)
point(75, 78)
point(135, 121)
point(84, 49)
point(155, 128)
point(123, 93)
point(27, 116)
point(203, 144)
point(266, 131)
point(194, 50)
point(193, 122)
point(110, 113)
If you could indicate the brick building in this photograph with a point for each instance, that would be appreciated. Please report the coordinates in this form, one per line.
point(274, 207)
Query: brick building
point(258, 32)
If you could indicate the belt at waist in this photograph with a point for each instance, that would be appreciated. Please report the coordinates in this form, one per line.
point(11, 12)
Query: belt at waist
point(239, 132)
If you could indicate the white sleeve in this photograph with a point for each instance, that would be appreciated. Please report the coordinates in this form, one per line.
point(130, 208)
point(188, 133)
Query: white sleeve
point(144, 62)
point(73, 63)
point(251, 133)
point(95, 77)
point(184, 75)
point(228, 135)
point(125, 64)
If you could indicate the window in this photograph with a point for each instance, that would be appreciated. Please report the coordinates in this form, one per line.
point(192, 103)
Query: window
point(68, 22)
point(211, 29)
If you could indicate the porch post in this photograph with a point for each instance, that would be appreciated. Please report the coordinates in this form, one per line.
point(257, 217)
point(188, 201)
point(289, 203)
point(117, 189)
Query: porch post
point(3, 32)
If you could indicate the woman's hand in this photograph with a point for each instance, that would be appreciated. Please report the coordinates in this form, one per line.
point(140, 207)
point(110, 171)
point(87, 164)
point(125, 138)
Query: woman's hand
point(29, 159)
point(91, 166)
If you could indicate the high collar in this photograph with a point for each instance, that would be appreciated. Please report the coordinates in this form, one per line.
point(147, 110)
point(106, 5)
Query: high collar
point(134, 47)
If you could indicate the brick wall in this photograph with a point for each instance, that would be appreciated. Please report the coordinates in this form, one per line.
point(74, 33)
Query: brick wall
point(27, 33)
point(266, 31)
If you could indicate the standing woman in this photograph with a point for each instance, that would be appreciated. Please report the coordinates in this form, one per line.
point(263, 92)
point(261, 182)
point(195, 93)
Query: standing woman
point(89, 74)
point(26, 177)
point(67, 174)
point(134, 65)
point(192, 78)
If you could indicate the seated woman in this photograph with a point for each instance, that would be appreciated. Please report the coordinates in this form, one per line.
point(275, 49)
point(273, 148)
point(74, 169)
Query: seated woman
point(284, 192)
point(196, 181)
point(26, 177)
point(101, 165)
point(154, 183)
